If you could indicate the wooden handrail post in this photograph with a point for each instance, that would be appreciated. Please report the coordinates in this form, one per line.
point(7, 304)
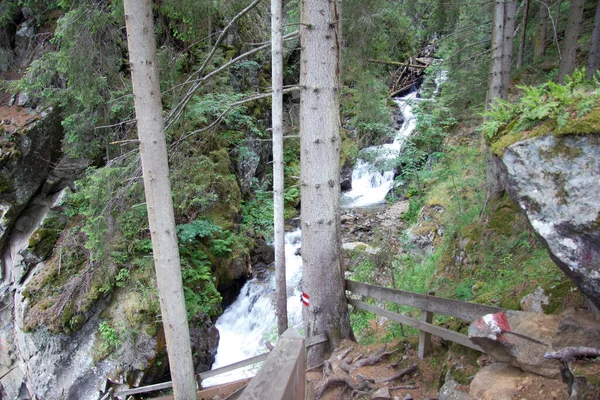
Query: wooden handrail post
point(424, 337)
point(282, 377)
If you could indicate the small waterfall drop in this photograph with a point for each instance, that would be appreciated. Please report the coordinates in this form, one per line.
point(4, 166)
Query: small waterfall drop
point(373, 175)
point(251, 319)
point(246, 324)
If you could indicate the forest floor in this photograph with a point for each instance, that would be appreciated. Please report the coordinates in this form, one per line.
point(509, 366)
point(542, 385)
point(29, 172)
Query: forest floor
point(425, 378)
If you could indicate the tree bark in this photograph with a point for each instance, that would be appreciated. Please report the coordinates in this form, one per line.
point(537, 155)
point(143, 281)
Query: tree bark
point(323, 278)
point(502, 39)
point(594, 56)
point(523, 34)
point(153, 151)
point(569, 49)
point(541, 36)
point(278, 163)
point(508, 33)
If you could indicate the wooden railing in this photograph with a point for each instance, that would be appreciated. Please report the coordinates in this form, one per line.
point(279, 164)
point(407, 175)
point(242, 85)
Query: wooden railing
point(276, 360)
point(428, 305)
point(282, 377)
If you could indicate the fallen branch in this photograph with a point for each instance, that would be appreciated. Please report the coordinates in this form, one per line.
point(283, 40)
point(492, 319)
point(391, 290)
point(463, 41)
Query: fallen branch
point(568, 353)
point(404, 387)
point(398, 375)
point(398, 63)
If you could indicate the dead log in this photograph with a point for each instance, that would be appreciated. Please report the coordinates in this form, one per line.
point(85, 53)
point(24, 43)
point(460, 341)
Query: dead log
point(569, 353)
point(398, 63)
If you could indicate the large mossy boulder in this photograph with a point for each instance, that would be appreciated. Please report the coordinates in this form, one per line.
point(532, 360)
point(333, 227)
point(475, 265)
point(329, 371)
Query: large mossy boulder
point(555, 179)
point(27, 158)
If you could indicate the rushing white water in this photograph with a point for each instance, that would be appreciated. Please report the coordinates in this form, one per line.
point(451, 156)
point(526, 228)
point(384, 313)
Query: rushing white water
point(373, 175)
point(251, 320)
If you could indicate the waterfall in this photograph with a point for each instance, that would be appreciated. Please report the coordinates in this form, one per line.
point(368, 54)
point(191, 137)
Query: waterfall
point(246, 324)
point(250, 321)
point(373, 174)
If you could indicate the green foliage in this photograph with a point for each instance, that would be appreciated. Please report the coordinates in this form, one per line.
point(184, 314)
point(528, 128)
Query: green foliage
point(200, 292)
point(539, 103)
point(257, 214)
point(82, 75)
point(197, 229)
point(109, 335)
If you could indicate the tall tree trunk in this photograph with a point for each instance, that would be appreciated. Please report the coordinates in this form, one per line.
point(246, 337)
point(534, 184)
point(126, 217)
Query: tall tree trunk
point(508, 34)
point(278, 163)
point(502, 43)
point(541, 36)
point(323, 279)
point(496, 76)
point(523, 34)
point(594, 56)
point(153, 151)
point(569, 49)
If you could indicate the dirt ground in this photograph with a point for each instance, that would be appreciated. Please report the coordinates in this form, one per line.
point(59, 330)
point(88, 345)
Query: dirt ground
point(425, 382)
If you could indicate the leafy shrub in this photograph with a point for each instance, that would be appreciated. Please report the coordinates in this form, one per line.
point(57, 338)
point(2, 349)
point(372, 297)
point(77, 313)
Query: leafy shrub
point(539, 103)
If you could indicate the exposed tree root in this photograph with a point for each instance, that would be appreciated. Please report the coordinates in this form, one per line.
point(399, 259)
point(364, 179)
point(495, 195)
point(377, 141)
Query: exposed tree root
point(399, 375)
point(340, 369)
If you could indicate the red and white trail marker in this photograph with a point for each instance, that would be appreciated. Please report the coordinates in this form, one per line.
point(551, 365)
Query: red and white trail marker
point(305, 299)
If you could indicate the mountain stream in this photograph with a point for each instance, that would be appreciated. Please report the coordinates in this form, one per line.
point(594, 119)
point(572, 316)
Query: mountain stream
point(250, 321)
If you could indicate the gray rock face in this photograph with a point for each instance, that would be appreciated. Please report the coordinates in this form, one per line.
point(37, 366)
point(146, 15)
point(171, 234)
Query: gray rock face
point(504, 382)
point(518, 338)
point(556, 182)
point(252, 159)
point(535, 301)
point(578, 328)
point(24, 173)
point(450, 391)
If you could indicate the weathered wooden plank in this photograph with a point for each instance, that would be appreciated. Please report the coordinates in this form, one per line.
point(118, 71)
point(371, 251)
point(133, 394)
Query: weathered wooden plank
point(227, 389)
point(456, 308)
point(240, 364)
point(203, 375)
point(415, 323)
point(313, 340)
point(282, 375)
point(144, 389)
point(234, 366)
point(424, 337)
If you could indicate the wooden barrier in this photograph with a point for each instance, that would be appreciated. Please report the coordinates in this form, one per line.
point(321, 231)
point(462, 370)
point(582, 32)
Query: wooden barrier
point(428, 304)
point(282, 377)
point(311, 341)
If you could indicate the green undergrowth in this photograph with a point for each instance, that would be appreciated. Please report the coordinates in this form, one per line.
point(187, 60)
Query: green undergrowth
point(487, 256)
point(549, 108)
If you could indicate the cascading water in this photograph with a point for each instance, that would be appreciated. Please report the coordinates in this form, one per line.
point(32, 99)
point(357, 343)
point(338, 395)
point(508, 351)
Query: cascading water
point(251, 320)
point(373, 176)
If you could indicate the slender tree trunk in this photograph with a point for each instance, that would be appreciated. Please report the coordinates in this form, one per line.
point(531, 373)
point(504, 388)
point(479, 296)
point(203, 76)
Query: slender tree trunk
point(557, 17)
point(153, 150)
point(495, 79)
point(594, 56)
point(323, 279)
point(278, 163)
point(508, 33)
point(502, 41)
point(569, 49)
point(523, 34)
point(541, 36)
